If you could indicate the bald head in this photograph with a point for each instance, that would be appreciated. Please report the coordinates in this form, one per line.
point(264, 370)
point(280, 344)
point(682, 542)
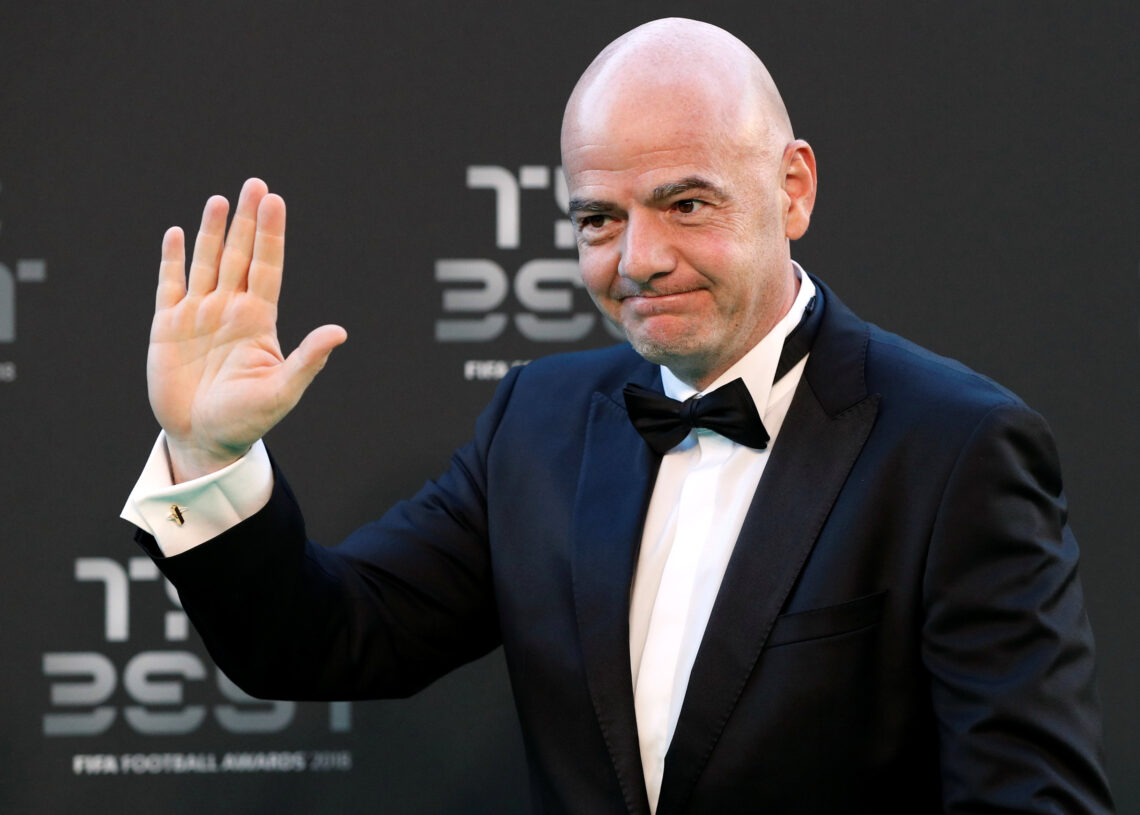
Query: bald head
point(677, 69)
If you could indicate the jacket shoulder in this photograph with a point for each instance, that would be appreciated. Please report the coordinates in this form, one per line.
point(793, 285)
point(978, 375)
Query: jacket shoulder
point(562, 376)
point(902, 369)
point(853, 359)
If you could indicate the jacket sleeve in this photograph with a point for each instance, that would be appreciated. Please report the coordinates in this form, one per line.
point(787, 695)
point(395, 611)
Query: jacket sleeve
point(1005, 637)
point(399, 603)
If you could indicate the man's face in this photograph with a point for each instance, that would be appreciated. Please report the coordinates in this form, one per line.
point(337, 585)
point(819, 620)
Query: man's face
point(682, 234)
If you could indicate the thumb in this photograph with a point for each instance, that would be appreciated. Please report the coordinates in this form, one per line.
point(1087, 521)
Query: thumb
point(308, 358)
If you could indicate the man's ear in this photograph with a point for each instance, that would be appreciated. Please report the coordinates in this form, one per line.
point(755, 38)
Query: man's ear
point(799, 186)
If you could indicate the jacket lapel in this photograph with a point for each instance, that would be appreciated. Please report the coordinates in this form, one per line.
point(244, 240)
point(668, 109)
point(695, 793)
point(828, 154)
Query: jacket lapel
point(615, 482)
point(827, 425)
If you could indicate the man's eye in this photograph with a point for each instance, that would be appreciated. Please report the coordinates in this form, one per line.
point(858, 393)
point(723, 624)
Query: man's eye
point(592, 221)
point(689, 206)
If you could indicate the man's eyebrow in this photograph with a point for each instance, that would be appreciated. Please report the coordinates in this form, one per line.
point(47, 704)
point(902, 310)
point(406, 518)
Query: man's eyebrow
point(661, 193)
point(694, 182)
point(589, 205)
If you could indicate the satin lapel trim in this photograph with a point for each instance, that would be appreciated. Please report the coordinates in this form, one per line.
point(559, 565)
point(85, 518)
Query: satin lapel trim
point(779, 531)
point(617, 476)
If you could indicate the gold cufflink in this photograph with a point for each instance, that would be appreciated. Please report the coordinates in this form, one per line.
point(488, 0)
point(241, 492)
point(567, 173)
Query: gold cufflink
point(176, 514)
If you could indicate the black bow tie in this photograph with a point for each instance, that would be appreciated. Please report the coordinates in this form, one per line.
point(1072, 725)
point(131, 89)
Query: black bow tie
point(729, 410)
point(664, 422)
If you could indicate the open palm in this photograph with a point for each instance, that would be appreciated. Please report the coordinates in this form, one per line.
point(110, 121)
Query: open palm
point(217, 378)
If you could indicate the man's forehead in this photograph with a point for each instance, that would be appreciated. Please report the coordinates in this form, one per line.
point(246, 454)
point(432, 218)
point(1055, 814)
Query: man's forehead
point(642, 127)
point(643, 163)
point(645, 106)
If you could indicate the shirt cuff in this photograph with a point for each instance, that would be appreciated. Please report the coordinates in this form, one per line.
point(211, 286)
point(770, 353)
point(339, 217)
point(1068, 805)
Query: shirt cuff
point(181, 516)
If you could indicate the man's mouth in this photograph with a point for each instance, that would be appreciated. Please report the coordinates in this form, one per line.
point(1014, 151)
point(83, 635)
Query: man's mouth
point(650, 303)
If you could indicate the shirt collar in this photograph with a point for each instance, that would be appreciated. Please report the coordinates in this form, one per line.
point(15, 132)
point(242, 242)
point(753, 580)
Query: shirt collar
point(757, 367)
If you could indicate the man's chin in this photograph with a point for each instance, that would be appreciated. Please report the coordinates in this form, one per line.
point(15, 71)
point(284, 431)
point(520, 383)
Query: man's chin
point(672, 353)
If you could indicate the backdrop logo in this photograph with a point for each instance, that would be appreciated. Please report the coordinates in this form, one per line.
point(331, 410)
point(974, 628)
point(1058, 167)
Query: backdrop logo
point(476, 290)
point(158, 684)
point(27, 270)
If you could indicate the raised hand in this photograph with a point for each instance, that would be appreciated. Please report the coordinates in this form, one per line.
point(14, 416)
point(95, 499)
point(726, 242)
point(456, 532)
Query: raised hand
point(215, 372)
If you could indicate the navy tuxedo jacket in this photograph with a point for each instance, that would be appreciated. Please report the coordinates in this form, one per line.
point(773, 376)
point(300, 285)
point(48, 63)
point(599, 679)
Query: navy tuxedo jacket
point(900, 628)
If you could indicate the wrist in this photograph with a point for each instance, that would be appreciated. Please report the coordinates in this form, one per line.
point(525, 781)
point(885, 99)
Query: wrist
point(189, 461)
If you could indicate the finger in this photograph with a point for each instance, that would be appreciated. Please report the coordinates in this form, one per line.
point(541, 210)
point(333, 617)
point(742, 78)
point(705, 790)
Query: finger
point(268, 249)
point(308, 358)
point(172, 269)
point(208, 246)
point(239, 240)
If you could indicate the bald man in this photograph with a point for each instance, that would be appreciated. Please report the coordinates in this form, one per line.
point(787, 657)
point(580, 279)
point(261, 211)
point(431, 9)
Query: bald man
point(765, 557)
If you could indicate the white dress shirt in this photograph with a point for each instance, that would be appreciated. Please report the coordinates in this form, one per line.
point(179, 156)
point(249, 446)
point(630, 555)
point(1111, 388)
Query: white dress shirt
point(703, 490)
point(702, 493)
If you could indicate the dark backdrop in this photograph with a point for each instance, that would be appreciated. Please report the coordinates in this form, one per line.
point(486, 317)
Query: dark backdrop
point(978, 177)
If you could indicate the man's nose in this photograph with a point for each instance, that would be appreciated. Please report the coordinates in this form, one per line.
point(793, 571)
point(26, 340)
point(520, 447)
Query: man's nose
point(645, 249)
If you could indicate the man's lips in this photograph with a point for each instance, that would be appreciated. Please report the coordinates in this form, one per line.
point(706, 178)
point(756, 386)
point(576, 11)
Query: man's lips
point(647, 304)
